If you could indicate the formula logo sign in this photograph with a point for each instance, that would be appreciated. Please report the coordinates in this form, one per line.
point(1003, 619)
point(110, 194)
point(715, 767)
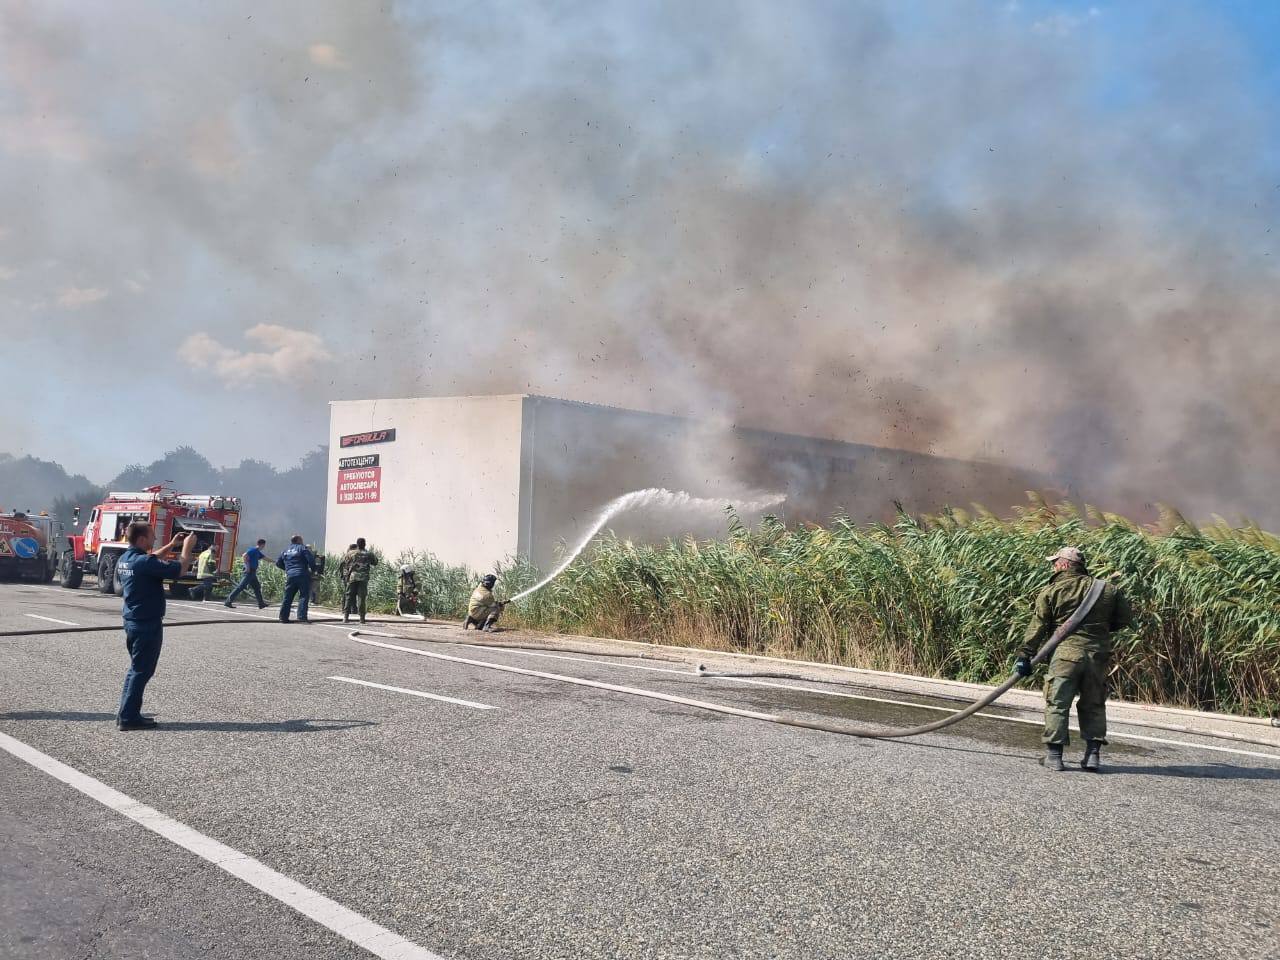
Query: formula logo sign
point(364, 439)
point(360, 485)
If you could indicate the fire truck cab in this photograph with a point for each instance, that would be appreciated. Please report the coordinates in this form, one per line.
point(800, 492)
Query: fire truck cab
point(210, 519)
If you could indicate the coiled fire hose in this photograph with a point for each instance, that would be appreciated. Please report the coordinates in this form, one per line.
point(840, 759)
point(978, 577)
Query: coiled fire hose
point(1046, 651)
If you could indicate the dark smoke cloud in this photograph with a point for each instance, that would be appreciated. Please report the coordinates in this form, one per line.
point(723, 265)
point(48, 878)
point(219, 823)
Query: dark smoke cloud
point(975, 229)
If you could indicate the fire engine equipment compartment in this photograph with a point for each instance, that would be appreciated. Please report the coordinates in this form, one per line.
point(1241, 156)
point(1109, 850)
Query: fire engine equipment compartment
point(211, 519)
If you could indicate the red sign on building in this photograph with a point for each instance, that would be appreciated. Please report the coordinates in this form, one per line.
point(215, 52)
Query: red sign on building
point(360, 485)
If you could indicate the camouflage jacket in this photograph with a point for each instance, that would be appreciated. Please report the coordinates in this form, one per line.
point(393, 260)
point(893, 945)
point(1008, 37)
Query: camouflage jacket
point(1059, 599)
point(356, 564)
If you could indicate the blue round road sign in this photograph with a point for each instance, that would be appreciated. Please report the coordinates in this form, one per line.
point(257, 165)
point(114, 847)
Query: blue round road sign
point(24, 547)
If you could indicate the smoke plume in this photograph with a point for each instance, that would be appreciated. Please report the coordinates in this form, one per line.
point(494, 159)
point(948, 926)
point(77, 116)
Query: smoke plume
point(979, 229)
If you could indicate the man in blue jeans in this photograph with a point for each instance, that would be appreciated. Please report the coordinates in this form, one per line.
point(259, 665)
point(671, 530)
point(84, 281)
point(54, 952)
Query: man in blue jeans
point(298, 564)
point(252, 557)
point(142, 575)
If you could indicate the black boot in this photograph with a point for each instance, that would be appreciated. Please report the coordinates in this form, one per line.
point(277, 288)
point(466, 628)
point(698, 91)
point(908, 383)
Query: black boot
point(1052, 759)
point(1092, 759)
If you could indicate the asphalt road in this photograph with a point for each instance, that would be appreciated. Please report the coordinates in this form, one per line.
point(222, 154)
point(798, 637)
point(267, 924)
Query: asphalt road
point(578, 821)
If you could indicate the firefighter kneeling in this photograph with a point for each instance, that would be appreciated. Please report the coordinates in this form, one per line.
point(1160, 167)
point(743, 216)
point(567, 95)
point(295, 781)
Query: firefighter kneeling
point(483, 609)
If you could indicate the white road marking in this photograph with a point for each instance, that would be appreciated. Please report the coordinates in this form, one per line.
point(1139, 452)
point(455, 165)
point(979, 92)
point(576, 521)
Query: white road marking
point(1194, 746)
point(763, 683)
point(979, 689)
point(577, 681)
point(774, 685)
point(225, 611)
point(346, 923)
point(417, 693)
point(65, 623)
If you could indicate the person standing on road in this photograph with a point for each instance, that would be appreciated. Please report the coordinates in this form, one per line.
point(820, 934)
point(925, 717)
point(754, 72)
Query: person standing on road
point(355, 573)
point(206, 570)
point(142, 575)
point(298, 564)
point(252, 557)
point(1079, 665)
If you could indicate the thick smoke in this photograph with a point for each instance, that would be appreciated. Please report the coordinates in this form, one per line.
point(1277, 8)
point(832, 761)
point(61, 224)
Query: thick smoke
point(976, 229)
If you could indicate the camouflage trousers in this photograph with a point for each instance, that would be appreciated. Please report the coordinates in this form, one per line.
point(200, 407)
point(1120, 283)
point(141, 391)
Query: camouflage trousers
point(356, 598)
point(1075, 674)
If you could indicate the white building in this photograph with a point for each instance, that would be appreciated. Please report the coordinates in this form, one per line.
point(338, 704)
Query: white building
point(476, 480)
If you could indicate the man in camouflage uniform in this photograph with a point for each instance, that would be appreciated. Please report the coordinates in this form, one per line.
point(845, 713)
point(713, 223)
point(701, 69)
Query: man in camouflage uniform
point(407, 591)
point(355, 574)
point(483, 609)
point(1078, 667)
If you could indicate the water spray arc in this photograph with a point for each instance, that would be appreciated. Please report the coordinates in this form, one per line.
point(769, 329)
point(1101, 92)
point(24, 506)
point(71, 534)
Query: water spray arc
point(650, 497)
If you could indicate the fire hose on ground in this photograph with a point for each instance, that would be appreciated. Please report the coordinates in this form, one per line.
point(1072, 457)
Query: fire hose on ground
point(1060, 634)
point(873, 733)
point(702, 672)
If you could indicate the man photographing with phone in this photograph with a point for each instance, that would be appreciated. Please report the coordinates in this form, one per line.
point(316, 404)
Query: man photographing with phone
point(142, 574)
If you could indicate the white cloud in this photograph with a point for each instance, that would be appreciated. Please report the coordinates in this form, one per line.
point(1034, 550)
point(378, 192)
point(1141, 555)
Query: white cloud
point(1064, 24)
point(288, 352)
point(74, 297)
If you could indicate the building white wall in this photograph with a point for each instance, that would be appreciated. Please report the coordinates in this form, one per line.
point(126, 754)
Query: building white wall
point(450, 481)
point(479, 480)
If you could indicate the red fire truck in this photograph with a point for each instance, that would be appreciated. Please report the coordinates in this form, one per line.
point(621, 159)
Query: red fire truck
point(210, 519)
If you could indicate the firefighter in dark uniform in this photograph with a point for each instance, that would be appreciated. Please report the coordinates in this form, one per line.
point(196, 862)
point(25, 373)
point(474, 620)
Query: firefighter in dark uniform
point(298, 564)
point(142, 575)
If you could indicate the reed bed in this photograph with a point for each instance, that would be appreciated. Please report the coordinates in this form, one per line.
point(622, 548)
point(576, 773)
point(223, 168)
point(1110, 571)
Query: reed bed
point(942, 596)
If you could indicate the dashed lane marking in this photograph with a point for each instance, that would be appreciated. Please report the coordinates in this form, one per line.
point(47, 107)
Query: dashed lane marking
point(417, 693)
point(65, 623)
point(51, 620)
point(577, 681)
point(348, 924)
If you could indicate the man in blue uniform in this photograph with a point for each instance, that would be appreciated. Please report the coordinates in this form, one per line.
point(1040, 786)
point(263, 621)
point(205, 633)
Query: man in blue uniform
point(252, 557)
point(142, 575)
point(298, 564)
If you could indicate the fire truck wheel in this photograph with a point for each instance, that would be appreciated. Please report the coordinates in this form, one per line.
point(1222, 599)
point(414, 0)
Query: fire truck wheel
point(107, 573)
point(71, 572)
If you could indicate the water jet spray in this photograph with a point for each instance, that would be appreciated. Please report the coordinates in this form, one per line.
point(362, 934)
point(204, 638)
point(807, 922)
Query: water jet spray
point(652, 496)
